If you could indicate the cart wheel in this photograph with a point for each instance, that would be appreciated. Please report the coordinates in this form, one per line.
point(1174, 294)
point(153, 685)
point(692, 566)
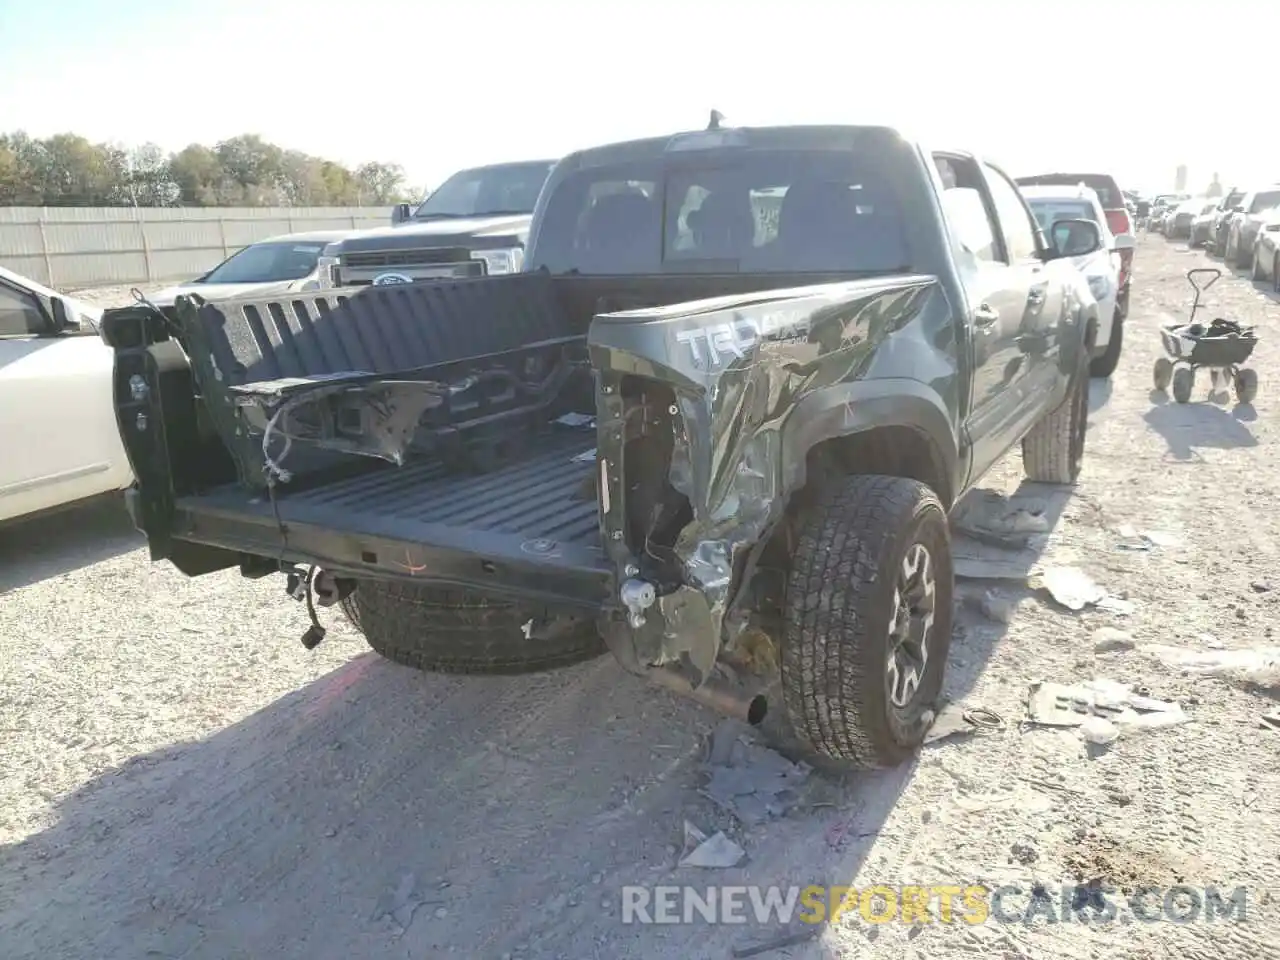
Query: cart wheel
point(1184, 379)
point(1163, 373)
point(1246, 385)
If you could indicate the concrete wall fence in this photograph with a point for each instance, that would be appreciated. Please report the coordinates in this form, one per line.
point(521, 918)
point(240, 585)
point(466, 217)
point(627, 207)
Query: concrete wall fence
point(71, 248)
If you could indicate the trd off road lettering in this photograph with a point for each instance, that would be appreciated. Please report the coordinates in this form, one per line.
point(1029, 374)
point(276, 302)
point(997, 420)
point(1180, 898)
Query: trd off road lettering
point(710, 345)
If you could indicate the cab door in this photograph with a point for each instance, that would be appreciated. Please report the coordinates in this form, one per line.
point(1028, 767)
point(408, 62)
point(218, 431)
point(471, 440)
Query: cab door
point(1003, 293)
point(1039, 287)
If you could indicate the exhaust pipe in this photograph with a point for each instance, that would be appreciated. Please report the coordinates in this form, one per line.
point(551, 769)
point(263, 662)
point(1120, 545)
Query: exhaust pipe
point(719, 694)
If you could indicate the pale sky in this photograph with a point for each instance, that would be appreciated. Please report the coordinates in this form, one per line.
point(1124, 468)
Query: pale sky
point(1132, 87)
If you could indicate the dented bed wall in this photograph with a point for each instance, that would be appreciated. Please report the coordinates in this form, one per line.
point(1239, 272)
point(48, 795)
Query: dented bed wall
point(756, 381)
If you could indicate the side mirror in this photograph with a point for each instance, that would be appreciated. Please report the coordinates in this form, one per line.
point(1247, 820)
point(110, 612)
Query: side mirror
point(64, 317)
point(1125, 241)
point(400, 213)
point(1237, 209)
point(1075, 238)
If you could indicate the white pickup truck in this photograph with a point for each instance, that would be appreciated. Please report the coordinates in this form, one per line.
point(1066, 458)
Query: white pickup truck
point(59, 443)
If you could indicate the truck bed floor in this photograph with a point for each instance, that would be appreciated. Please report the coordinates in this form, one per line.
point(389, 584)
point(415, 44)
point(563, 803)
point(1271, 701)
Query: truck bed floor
point(425, 522)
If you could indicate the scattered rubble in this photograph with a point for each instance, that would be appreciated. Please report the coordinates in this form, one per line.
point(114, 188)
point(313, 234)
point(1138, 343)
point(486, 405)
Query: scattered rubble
point(1074, 589)
point(1255, 665)
point(750, 781)
point(1120, 708)
point(1099, 731)
point(714, 852)
point(997, 607)
point(1111, 640)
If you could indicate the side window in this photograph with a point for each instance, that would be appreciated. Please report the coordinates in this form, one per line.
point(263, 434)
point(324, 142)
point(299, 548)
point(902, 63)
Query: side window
point(20, 313)
point(1015, 221)
point(965, 209)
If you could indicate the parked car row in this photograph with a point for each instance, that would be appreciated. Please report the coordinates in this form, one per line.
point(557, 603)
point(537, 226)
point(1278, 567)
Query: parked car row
point(1242, 227)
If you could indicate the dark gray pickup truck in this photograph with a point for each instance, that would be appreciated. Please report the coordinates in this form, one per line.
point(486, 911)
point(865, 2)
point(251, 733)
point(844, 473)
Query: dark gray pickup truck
point(716, 426)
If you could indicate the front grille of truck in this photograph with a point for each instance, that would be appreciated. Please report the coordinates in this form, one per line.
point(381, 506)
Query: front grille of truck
point(430, 256)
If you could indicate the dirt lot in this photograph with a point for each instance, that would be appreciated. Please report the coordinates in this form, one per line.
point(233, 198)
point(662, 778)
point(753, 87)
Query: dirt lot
point(179, 778)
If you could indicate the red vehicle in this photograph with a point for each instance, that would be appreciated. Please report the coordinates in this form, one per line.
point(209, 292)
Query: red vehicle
point(1113, 206)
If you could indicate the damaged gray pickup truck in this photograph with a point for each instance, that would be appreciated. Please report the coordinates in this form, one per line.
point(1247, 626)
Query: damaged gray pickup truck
point(716, 426)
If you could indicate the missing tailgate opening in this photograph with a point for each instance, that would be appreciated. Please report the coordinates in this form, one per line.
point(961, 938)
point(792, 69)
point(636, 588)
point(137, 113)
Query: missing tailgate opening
point(656, 511)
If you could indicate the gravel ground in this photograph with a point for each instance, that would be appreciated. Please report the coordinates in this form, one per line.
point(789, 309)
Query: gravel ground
point(179, 778)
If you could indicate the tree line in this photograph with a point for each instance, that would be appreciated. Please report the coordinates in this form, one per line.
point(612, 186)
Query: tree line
point(245, 171)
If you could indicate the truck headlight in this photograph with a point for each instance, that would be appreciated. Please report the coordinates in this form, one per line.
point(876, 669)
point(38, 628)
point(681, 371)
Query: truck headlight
point(508, 260)
point(1100, 286)
point(326, 272)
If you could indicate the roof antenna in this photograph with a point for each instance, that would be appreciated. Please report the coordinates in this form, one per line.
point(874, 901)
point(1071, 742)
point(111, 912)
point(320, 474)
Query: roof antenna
point(717, 118)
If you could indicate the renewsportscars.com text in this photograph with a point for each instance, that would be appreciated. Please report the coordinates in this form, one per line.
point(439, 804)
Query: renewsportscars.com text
point(935, 903)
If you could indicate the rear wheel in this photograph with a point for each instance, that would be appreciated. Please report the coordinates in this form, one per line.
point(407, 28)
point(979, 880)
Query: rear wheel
point(1053, 452)
point(1255, 267)
point(1275, 273)
point(454, 631)
point(867, 621)
point(1105, 365)
point(1163, 373)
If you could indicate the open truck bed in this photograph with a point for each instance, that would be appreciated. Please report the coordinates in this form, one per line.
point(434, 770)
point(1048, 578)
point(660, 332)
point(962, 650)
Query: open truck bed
point(532, 523)
point(498, 485)
point(494, 481)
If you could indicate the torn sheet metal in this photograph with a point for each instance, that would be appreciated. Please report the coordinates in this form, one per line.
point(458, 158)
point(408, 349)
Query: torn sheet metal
point(757, 380)
point(353, 412)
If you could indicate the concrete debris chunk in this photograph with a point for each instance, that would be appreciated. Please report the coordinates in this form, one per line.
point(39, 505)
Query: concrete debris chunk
point(750, 781)
point(1254, 665)
point(1111, 640)
point(714, 852)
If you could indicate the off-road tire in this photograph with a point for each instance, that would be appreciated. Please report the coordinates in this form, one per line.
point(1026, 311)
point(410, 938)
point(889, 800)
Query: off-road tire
point(837, 617)
point(1105, 365)
point(453, 631)
point(1162, 373)
point(1053, 451)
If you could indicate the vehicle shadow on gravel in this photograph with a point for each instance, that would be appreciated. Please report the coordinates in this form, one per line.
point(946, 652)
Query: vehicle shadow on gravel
point(1099, 393)
point(1200, 424)
point(62, 542)
point(379, 809)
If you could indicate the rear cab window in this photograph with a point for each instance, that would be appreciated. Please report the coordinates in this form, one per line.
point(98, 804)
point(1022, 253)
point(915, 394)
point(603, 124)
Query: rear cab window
point(748, 210)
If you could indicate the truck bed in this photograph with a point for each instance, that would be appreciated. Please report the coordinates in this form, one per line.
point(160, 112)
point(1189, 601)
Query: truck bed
point(532, 524)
